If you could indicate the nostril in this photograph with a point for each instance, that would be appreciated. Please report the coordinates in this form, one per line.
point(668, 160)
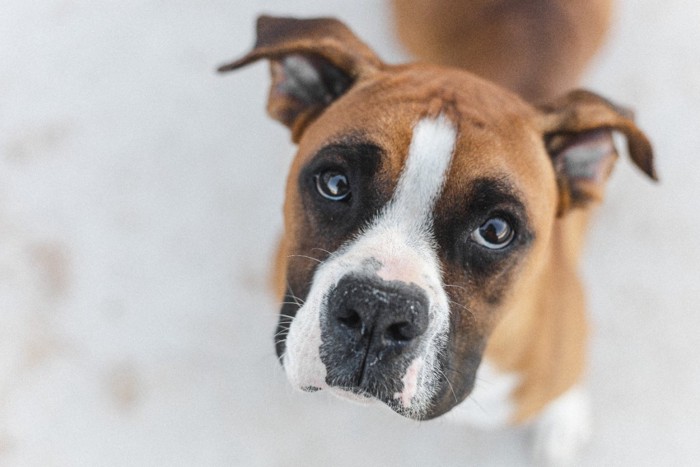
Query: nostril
point(401, 332)
point(350, 319)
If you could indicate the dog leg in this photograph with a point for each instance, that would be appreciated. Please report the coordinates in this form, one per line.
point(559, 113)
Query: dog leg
point(563, 429)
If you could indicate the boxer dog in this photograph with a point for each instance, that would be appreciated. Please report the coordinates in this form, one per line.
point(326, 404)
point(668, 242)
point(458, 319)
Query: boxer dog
point(433, 224)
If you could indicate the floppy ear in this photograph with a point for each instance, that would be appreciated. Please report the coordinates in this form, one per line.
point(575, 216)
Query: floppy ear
point(312, 63)
point(577, 131)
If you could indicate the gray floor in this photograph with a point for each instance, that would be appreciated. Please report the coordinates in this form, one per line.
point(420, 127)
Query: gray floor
point(139, 203)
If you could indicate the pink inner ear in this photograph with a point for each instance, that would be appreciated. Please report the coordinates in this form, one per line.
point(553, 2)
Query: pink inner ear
point(588, 157)
point(584, 163)
point(303, 85)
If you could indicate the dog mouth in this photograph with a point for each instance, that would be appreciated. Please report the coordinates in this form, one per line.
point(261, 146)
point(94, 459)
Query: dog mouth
point(415, 377)
point(375, 337)
point(365, 339)
point(409, 396)
point(402, 385)
point(416, 388)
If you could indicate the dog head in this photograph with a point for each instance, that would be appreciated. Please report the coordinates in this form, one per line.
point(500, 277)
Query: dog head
point(420, 204)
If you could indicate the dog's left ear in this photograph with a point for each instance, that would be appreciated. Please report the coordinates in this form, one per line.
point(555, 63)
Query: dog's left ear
point(577, 131)
point(312, 63)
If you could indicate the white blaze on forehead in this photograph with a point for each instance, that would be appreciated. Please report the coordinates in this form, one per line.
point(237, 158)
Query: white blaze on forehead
point(409, 214)
point(423, 176)
point(401, 242)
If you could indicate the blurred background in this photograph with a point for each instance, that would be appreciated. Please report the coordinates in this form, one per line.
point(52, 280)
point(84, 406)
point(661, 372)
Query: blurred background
point(140, 200)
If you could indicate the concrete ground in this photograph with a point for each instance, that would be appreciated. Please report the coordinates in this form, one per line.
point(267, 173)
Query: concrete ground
point(140, 200)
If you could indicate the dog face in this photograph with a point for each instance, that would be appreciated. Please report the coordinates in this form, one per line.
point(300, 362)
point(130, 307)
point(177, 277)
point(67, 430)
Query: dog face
point(421, 230)
point(419, 207)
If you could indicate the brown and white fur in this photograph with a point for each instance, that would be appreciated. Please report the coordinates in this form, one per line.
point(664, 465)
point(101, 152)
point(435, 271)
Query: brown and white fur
point(391, 292)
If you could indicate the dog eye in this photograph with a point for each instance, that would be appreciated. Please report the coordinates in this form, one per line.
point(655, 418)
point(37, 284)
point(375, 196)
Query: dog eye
point(333, 185)
point(495, 233)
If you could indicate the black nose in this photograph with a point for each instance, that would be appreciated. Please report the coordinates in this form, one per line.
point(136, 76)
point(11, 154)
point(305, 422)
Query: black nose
point(376, 317)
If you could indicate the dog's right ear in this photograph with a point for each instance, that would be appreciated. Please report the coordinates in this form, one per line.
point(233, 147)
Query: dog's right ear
point(312, 63)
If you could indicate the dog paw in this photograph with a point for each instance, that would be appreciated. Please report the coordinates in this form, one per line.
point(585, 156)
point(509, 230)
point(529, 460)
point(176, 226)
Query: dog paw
point(563, 429)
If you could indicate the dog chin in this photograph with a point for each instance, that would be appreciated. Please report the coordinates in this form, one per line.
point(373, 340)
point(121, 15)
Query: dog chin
point(416, 411)
point(368, 400)
point(410, 412)
point(356, 397)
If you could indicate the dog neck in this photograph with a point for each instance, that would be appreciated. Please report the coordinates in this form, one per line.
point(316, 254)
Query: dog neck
point(543, 339)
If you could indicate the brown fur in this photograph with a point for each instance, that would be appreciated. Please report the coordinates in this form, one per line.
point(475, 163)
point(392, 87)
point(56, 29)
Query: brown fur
point(536, 48)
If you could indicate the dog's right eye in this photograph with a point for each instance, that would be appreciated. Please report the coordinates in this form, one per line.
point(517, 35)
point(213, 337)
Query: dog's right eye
point(333, 185)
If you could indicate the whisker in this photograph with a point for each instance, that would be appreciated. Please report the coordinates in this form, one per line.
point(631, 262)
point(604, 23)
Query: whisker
point(449, 384)
point(481, 407)
point(456, 287)
point(462, 306)
point(479, 379)
point(298, 301)
point(323, 250)
point(306, 257)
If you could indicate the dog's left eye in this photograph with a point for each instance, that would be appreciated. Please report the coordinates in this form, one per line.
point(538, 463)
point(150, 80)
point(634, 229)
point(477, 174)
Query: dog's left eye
point(495, 233)
point(333, 185)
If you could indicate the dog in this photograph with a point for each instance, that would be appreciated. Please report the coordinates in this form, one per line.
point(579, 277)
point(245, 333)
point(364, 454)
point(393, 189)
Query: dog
point(433, 224)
